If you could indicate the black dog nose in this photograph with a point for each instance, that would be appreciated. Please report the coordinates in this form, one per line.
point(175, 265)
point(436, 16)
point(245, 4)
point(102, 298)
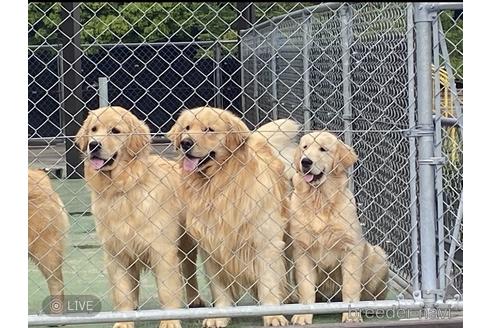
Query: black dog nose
point(186, 143)
point(94, 146)
point(306, 162)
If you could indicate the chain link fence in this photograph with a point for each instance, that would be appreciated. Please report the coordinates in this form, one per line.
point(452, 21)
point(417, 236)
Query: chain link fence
point(448, 108)
point(348, 74)
point(353, 69)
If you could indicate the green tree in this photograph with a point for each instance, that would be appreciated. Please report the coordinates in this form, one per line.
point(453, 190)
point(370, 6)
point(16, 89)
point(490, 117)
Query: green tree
point(43, 19)
point(111, 22)
point(135, 22)
point(453, 31)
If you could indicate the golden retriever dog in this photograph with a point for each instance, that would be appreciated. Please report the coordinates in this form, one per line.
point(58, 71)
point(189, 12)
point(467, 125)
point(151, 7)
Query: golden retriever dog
point(235, 187)
point(139, 217)
point(47, 226)
point(328, 246)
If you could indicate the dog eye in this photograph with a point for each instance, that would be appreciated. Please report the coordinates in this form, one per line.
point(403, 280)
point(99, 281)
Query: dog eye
point(94, 129)
point(322, 149)
point(187, 127)
point(208, 130)
point(304, 147)
point(115, 130)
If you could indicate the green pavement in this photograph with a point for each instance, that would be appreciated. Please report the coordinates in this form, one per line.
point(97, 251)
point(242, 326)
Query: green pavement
point(83, 268)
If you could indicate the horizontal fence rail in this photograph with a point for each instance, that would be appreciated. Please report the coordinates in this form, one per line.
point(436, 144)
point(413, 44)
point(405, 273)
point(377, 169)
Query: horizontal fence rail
point(242, 311)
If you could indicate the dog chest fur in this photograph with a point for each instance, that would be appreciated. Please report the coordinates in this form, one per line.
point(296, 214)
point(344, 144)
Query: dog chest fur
point(233, 217)
point(148, 208)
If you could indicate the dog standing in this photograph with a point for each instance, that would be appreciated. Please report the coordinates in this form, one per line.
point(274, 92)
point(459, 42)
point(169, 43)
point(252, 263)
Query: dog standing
point(235, 185)
point(47, 227)
point(328, 244)
point(139, 217)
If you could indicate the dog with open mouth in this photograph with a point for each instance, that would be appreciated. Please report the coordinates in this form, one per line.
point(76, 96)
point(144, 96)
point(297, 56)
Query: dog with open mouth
point(139, 216)
point(235, 184)
point(330, 254)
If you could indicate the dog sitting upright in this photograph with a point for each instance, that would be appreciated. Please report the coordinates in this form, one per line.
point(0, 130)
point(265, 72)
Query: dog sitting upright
point(328, 245)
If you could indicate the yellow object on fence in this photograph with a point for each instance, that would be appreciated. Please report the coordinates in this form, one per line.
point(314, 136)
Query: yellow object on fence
point(451, 143)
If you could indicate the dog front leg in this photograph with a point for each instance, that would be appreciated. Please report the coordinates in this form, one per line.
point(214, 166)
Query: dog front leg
point(221, 294)
point(123, 286)
point(352, 267)
point(306, 279)
point(272, 275)
point(169, 281)
point(188, 258)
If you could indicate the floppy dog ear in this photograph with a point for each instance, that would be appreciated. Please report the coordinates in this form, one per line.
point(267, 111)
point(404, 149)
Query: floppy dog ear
point(345, 157)
point(237, 132)
point(176, 132)
point(139, 138)
point(81, 138)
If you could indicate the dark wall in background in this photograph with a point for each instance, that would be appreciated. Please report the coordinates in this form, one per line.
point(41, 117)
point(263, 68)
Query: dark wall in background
point(154, 81)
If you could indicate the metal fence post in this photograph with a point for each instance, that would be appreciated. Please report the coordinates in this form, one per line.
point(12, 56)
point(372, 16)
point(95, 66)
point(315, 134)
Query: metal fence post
point(218, 76)
point(245, 20)
point(306, 41)
point(273, 69)
point(102, 91)
point(346, 40)
point(412, 150)
point(425, 129)
point(73, 113)
point(255, 80)
point(241, 61)
point(61, 87)
point(438, 154)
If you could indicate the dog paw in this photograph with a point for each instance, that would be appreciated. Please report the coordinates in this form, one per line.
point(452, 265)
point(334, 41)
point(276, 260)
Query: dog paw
point(216, 322)
point(170, 324)
point(275, 320)
point(124, 325)
point(196, 303)
point(302, 319)
point(354, 316)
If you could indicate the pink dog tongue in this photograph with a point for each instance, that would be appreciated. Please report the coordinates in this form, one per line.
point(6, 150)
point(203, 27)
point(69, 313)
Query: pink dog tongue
point(190, 164)
point(97, 163)
point(309, 177)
